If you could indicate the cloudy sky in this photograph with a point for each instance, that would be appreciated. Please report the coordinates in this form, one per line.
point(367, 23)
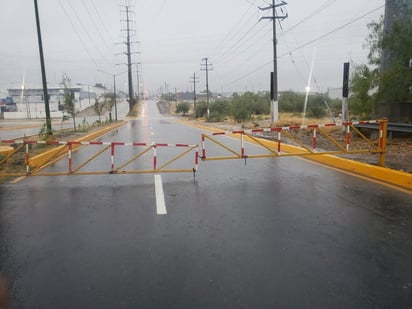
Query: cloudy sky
point(81, 37)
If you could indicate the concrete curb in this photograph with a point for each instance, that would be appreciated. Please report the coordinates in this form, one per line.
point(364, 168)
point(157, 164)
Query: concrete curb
point(41, 159)
point(5, 150)
point(386, 175)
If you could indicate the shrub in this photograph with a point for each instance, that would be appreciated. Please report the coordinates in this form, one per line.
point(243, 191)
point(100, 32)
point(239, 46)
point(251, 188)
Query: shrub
point(182, 107)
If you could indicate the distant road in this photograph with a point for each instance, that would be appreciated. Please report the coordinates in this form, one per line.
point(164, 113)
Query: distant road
point(274, 233)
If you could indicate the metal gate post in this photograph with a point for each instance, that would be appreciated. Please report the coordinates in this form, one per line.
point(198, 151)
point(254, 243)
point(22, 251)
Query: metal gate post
point(70, 156)
point(112, 157)
point(27, 159)
point(383, 131)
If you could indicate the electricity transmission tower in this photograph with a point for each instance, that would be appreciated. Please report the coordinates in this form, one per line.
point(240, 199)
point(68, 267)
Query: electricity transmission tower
point(206, 66)
point(194, 79)
point(274, 104)
point(129, 56)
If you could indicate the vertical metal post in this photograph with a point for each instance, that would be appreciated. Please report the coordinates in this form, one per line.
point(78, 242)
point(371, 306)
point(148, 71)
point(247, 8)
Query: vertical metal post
point(70, 156)
point(115, 97)
point(345, 93)
point(43, 72)
point(274, 103)
point(207, 89)
point(112, 157)
point(383, 131)
point(194, 95)
point(27, 159)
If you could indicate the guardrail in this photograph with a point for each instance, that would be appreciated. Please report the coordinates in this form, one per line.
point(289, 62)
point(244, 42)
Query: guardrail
point(392, 127)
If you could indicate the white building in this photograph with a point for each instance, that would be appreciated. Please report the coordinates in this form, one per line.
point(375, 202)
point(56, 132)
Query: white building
point(30, 101)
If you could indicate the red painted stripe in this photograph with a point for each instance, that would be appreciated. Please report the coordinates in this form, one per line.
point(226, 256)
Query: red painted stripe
point(162, 145)
point(313, 126)
point(276, 129)
point(239, 132)
point(219, 133)
point(8, 141)
point(118, 143)
point(95, 143)
point(182, 145)
point(52, 142)
point(257, 130)
point(330, 125)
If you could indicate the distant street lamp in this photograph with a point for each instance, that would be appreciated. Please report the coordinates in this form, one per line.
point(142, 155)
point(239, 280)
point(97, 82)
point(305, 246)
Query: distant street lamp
point(114, 89)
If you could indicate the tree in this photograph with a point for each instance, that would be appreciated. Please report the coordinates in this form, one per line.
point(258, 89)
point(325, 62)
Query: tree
point(183, 108)
point(362, 103)
point(388, 76)
point(68, 99)
point(109, 101)
point(98, 109)
point(396, 81)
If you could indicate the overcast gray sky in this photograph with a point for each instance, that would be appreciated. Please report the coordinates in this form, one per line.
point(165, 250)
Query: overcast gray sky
point(81, 37)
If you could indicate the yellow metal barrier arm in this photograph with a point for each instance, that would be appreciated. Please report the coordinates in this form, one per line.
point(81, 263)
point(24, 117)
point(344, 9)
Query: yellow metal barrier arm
point(135, 157)
point(175, 158)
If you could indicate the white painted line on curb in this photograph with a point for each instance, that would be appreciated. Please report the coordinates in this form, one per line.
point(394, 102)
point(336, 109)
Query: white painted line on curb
point(160, 196)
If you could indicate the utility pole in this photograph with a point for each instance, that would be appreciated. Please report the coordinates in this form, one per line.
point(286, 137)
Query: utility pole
point(175, 96)
point(43, 72)
point(129, 59)
point(205, 66)
point(115, 96)
point(274, 104)
point(345, 94)
point(194, 80)
point(138, 80)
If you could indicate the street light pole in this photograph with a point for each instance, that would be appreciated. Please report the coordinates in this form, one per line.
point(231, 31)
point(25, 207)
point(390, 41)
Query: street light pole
point(114, 88)
point(115, 98)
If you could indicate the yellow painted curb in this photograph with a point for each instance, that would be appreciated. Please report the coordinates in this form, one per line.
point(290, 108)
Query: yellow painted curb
point(383, 174)
point(6, 150)
point(43, 158)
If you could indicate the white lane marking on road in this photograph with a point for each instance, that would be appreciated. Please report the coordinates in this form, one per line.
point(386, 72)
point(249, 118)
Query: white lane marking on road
point(160, 196)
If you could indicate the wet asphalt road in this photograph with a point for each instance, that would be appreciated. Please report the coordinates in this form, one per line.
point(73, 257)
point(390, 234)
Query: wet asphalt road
point(276, 233)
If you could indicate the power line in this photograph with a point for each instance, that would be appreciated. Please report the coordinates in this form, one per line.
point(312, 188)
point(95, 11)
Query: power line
point(101, 21)
point(87, 32)
point(78, 35)
point(310, 15)
point(235, 26)
point(334, 30)
point(94, 23)
point(290, 52)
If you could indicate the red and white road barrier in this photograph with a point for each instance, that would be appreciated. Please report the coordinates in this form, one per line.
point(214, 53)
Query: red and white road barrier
point(297, 127)
point(314, 127)
point(112, 146)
